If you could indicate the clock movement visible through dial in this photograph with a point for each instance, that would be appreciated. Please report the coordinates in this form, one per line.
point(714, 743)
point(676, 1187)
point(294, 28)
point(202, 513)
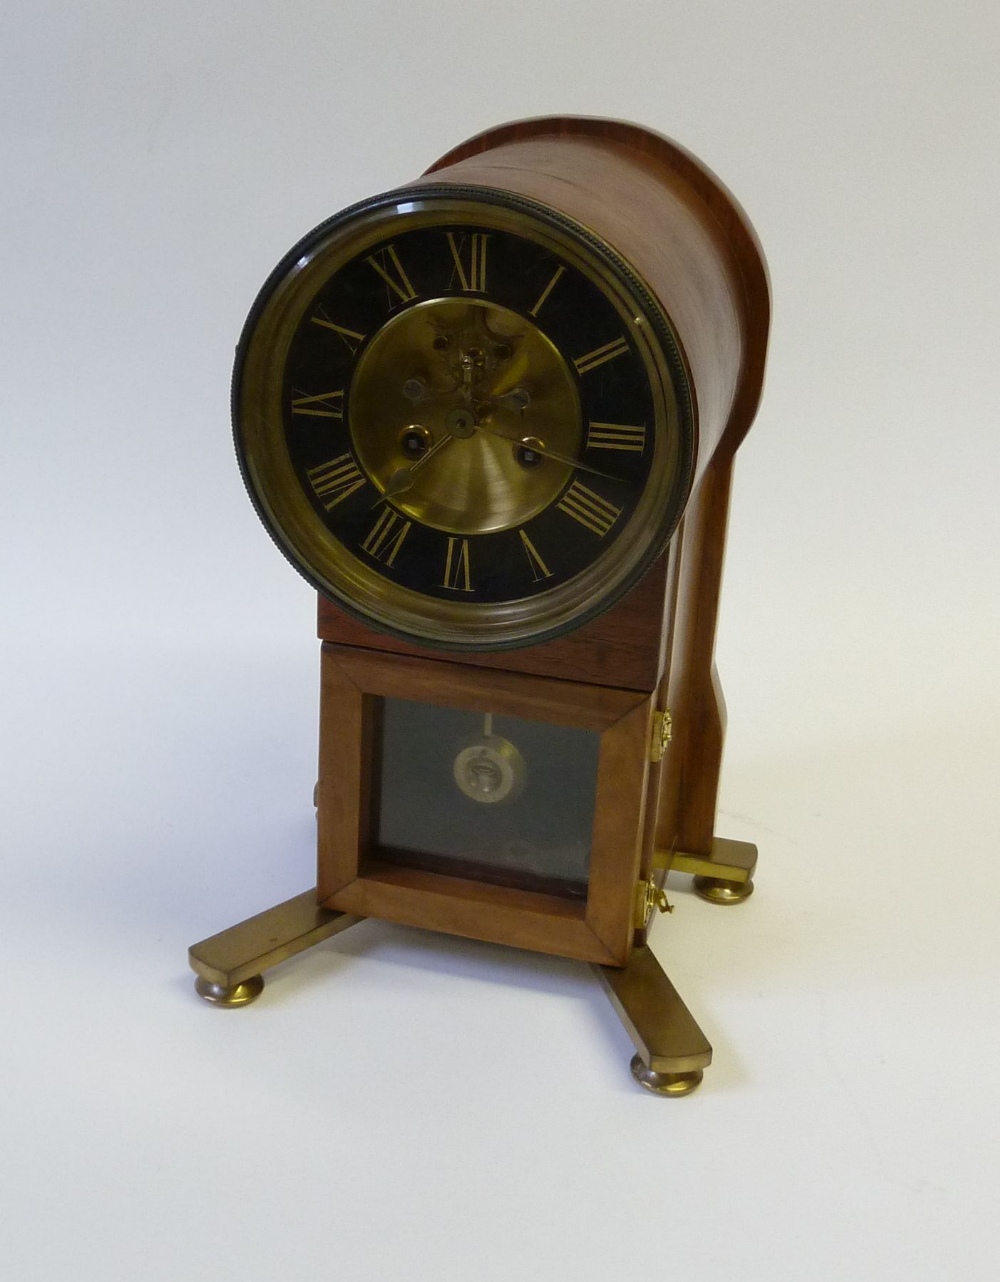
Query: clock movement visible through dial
point(488, 398)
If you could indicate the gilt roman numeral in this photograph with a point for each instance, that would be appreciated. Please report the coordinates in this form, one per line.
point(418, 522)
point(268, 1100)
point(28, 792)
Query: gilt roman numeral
point(386, 263)
point(337, 480)
point(590, 509)
point(386, 536)
point(559, 271)
point(616, 436)
point(456, 566)
point(469, 256)
point(351, 337)
point(539, 570)
point(617, 347)
point(322, 405)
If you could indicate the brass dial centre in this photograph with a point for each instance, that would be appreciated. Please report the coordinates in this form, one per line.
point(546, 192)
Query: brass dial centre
point(473, 381)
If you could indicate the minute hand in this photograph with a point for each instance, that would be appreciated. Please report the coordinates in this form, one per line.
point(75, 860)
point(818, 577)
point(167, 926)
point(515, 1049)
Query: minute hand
point(547, 453)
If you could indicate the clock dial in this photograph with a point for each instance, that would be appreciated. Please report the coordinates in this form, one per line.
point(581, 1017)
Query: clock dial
point(460, 423)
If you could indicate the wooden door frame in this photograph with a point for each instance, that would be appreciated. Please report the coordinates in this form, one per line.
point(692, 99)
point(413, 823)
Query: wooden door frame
point(351, 878)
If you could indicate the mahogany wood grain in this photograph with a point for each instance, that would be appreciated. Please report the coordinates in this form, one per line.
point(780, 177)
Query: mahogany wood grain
point(689, 781)
point(476, 910)
point(618, 827)
point(660, 702)
point(620, 648)
point(668, 215)
point(343, 803)
point(454, 685)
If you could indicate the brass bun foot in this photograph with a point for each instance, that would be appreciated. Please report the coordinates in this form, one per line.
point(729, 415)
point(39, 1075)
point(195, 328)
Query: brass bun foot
point(664, 1083)
point(235, 995)
point(719, 891)
point(724, 875)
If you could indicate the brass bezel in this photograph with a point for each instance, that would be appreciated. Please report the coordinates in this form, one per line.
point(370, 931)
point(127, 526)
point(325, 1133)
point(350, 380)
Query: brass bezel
point(352, 582)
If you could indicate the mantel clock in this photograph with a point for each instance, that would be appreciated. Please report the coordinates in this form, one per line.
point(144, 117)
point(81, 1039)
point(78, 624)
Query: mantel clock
point(491, 416)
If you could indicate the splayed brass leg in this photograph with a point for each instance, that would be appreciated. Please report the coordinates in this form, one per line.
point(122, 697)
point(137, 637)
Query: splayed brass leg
point(672, 1049)
point(229, 965)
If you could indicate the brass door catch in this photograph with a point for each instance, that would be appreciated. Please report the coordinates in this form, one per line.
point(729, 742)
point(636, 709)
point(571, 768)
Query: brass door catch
point(648, 895)
point(663, 724)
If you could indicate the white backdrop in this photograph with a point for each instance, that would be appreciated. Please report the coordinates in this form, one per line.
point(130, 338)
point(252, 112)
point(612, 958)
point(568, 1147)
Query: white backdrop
point(406, 1106)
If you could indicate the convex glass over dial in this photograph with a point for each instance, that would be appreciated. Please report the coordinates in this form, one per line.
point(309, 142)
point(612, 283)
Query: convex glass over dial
point(462, 417)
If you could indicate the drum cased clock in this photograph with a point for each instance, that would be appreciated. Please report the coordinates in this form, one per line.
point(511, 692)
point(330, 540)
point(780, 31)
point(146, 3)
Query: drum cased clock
point(491, 416)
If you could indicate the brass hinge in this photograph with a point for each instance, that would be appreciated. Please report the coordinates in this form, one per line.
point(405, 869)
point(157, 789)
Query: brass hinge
point(648, 895)
point(663, 724)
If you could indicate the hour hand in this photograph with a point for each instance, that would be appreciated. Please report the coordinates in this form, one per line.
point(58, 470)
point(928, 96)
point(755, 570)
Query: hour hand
point(402, 478)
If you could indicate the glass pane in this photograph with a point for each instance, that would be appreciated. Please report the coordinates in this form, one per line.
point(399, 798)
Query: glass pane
point(498, 798)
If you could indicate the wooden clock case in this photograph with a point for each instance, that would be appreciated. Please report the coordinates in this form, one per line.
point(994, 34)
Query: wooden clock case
point(642, 674)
